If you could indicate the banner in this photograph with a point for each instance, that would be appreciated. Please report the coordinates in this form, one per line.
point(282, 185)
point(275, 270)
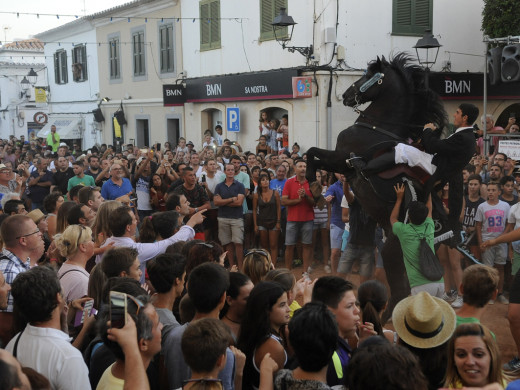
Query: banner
point(510, 148)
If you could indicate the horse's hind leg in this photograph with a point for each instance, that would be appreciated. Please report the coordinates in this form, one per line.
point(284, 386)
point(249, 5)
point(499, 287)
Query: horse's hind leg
point(395, 274)
point(329, 160)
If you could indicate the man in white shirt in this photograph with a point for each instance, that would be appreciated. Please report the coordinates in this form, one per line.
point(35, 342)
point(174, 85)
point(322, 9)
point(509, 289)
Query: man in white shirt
point(123, 224)
point(42, 345)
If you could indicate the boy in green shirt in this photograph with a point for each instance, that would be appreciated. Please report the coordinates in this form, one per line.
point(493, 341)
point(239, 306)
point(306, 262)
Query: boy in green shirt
point(80, 178)
point(421, 225)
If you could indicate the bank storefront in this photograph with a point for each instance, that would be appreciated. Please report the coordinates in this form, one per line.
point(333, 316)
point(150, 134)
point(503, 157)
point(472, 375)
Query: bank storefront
point(278, 92)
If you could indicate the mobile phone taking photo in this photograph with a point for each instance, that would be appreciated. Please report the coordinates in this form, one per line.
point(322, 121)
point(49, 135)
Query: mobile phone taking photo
point(118, 309)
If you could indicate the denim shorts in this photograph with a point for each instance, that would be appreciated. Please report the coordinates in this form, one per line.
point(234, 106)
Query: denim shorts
point(365, 255)
point(336, 236)
point(297, 228)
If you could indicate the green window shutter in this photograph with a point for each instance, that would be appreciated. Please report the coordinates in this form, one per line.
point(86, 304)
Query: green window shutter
point(215, 24)
point(209, 24)
point(266, 13)
point(411, 17)
point(56, 69)
point(204, 27)
point(269, 9)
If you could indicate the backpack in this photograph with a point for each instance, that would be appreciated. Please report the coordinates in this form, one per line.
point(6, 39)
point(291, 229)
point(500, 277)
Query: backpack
point(429, 264)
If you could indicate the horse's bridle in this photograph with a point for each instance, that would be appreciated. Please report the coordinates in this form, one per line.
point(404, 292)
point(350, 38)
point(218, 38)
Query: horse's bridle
point(376, 78)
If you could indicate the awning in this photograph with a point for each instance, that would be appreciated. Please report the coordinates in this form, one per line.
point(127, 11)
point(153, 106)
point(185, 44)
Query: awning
point(68, 127)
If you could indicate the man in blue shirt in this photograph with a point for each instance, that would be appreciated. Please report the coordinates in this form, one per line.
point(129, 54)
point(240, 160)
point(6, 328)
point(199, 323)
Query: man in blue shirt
point(333, 196)
point(117, 186)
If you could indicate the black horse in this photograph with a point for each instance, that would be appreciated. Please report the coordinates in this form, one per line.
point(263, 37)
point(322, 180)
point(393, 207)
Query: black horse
point(400, 107)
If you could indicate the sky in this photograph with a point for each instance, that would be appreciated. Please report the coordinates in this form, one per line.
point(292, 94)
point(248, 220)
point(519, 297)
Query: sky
point(25, 26)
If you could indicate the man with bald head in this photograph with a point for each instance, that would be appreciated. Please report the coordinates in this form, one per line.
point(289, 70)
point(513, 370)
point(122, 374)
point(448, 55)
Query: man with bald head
point(117, 186)
point(53, 139)
point(23, 246)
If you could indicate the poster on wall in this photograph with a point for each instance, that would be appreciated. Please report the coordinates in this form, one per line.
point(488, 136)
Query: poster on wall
point(32, 130)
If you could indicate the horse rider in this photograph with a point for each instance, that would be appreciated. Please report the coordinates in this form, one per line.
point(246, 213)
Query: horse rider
point(443, 159)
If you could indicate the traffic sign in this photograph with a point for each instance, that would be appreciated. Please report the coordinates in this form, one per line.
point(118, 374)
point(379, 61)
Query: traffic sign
point(233, 119)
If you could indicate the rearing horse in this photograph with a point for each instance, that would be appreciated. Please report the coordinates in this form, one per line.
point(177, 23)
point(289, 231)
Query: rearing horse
point(400, 106)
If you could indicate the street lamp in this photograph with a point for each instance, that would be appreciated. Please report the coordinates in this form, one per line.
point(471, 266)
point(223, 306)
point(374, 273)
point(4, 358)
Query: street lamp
point(33, 76)
point(24, 84)
point(283, 27)
point(429, 46)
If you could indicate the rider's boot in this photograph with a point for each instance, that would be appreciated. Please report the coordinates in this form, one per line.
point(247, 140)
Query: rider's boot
point(378, 164)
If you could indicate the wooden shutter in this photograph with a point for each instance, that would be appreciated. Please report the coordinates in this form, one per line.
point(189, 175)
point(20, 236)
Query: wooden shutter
point(269, 9)
point(215, 24)
point(204, 27)
point(411, 17)
point(56, 68)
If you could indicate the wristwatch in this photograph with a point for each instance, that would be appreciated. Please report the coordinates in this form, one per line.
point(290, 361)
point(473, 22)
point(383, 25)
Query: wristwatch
point(196, 209)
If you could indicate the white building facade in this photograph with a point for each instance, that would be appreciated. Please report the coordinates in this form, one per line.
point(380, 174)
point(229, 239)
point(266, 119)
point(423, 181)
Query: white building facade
point(345, 35)
point(142, 55)
point(20, 113)
point(73, 88)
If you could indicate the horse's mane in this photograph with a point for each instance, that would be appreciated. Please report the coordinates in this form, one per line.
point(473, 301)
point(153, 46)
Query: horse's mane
point(427, 105)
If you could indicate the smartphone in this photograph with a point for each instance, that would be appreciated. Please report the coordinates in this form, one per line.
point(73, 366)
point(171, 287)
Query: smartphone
point(118, 309)
point(203, 178)
point(88, 309)
point(158, 146)
point(144, 151)
point(512, 115)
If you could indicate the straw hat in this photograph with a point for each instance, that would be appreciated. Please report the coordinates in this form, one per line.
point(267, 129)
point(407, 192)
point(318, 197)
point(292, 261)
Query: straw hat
point(423, 321)
point(36, 215)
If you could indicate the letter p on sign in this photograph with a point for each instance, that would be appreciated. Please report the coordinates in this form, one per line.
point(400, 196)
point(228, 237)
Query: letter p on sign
point(233, 119)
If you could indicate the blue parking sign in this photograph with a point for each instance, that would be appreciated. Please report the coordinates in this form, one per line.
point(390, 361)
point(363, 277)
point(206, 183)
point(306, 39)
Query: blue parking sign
point(233, 119)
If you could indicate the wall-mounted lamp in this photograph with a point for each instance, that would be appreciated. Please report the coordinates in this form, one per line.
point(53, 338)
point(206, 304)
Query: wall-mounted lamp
point(28, 82)
point(283, 27)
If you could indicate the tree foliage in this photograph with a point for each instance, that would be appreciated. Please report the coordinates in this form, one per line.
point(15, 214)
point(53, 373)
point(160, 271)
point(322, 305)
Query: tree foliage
point(501, 18)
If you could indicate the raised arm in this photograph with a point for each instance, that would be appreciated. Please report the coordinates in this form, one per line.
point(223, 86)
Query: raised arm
point(399, 191)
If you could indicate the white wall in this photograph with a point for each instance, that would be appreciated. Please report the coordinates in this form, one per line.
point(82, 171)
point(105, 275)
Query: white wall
point(364, 29)
point(74, 97)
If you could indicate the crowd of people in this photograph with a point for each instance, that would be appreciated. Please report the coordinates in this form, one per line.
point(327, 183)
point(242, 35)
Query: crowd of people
point(203, 244)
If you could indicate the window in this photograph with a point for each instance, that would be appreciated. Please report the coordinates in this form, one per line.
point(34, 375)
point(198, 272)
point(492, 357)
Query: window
point(269, 9)
point(138, 53)
point(60, 67)
point(79, 63)
point(166, 48)
point(209, 24)
point(411, 17)
point(113, 58)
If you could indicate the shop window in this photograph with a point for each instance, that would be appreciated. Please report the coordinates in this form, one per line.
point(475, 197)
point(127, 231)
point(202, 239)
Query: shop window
point(60, 67)
point(411, 17)
point(209, 24)
point(269, 9)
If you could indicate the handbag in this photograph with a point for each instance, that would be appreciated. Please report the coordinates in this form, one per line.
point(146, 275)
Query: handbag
point(429, 264)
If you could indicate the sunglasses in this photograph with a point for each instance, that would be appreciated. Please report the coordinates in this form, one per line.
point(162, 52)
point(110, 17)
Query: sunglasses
point(259, 251)
point(80, 234)
point(210, 246)
point(28, 234)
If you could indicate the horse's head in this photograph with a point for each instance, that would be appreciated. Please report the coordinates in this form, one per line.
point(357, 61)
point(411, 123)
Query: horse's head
point(369, 86)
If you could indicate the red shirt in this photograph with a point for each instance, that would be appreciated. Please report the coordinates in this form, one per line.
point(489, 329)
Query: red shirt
point(302, 211)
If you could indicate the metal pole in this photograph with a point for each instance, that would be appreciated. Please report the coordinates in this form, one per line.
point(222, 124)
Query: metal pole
point(486, 140)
